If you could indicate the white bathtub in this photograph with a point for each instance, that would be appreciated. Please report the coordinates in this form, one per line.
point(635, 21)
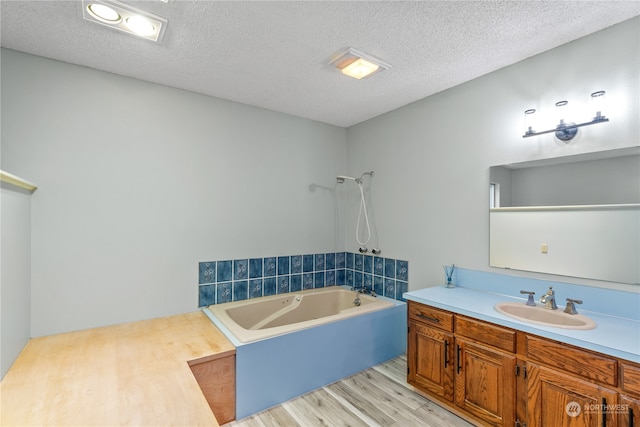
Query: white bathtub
point(260, 318)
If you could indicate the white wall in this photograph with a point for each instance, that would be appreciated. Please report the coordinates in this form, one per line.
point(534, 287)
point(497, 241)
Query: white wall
point(139, 182)
point(15, 291)
point(432, 157)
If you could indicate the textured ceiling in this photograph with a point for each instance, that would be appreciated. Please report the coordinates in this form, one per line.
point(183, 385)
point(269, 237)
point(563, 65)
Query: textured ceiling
point(274, 54)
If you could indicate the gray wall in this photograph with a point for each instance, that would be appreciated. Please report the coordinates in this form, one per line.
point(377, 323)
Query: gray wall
point(15, 288)
point(432, 157)
point(606, 181)
point(139, 182)
point(594, 182)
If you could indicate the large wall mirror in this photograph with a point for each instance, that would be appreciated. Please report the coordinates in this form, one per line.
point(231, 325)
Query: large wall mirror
point(574, 216)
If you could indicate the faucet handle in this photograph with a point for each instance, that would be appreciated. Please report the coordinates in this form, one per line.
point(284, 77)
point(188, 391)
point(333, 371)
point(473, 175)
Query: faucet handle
point(571, 308)
point(530, 300)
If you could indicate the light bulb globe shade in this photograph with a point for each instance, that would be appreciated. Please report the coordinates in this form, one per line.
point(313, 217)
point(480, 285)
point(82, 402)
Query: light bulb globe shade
point(597, 101)
point(562, 109)
point(529, 118)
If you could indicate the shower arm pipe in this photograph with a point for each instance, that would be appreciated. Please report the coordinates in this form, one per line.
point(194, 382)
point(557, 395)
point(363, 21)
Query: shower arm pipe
point(342, 178)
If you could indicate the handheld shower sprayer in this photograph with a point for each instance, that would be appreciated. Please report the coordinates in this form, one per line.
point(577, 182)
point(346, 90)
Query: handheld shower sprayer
point(363, 209)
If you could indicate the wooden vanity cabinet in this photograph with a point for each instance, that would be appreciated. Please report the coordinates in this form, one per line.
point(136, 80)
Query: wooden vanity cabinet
point(431, 346)
point(469, 369)
point(629, 414)
point(569, 385)
point(629, 398)
point(485, 370)
point(485, 383)
point(559, 400)
point(497, 376)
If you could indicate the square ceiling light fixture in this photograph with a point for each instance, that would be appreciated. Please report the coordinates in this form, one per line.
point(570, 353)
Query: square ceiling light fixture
point(125, 18)
point(358, 65)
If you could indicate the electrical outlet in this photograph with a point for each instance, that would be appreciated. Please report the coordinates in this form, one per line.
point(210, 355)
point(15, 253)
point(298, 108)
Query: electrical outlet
point(544, 248)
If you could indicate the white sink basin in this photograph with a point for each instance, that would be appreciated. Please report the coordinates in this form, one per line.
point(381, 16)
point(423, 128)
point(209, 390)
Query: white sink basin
point(543, 316)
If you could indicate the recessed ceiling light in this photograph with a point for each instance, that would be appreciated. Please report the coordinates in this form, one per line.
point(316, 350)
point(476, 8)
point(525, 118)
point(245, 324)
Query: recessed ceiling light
point(358, 65)
point(360, 68)
point(140, 25)
point(104, 13)
point(122, 17)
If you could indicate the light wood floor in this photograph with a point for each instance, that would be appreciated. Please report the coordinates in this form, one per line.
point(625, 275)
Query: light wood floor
point(379, 396)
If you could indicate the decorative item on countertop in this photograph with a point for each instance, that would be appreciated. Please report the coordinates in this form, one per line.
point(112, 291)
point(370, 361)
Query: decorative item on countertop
point(448, 271)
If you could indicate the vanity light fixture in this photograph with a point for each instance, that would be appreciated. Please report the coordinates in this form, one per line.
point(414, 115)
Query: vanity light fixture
point(358, 65)
point(564, 130)
point(123, 17)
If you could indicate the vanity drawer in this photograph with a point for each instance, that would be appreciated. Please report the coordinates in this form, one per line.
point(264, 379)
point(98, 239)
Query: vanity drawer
point(630, 378)
point(431, 316)
point(570, 359)
point(496, 336)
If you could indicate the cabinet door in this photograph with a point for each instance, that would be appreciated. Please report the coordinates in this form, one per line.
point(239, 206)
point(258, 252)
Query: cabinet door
point(430, 360)
point(485, 383)
point(628, 411)
point(558, 400)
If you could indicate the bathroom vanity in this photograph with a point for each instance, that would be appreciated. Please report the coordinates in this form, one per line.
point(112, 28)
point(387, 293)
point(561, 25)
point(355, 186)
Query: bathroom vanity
point(498, 371)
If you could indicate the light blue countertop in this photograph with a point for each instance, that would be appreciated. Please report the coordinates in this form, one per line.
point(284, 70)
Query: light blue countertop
point(614, 336)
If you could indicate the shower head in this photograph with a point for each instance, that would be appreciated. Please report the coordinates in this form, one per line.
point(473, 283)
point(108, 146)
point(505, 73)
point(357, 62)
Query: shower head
point(340, 179)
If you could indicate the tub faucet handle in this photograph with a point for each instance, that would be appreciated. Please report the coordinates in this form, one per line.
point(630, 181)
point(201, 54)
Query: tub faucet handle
point(530, 300)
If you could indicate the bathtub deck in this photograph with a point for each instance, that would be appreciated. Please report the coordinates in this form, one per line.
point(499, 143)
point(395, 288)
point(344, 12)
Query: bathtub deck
point(132, 374)
point(379, 396)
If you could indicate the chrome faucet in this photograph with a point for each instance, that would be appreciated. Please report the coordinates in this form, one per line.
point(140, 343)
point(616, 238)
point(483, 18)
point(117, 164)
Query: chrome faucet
point(549, 299)
point(364, 290)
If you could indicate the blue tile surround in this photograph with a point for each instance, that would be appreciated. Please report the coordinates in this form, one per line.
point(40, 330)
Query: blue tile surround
point(240, 279)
